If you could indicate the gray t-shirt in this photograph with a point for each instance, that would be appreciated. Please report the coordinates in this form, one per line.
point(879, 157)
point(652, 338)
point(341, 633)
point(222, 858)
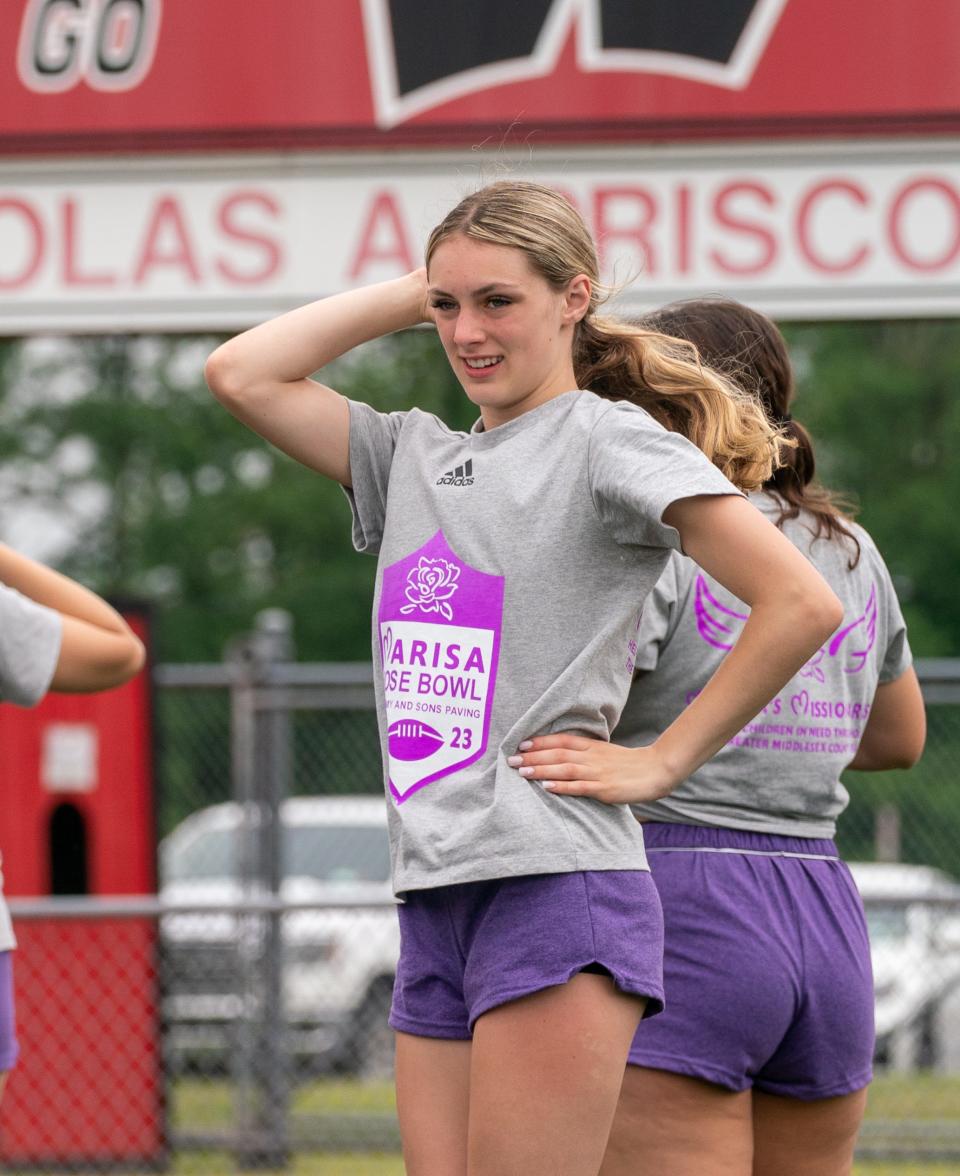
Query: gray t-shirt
point(781, 773)
point(29, 648)
point(512, 567)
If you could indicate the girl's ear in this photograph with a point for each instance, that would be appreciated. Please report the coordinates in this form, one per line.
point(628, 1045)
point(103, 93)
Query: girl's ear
point(577, 298)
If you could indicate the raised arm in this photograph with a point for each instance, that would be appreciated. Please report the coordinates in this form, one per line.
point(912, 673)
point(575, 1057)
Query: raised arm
point(896, 729)
point(98, 649)
point(262, 376)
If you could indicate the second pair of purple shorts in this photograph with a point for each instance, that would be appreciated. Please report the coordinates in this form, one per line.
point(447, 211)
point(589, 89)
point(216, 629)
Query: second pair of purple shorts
point(9, 1049)
point(466, 949)
point(766, 967)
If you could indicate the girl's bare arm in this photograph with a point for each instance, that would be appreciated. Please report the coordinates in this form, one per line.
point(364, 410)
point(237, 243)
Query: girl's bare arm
point(262, 376)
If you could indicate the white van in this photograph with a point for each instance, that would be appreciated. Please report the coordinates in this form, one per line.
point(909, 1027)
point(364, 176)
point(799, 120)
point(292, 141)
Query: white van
point(338, 964)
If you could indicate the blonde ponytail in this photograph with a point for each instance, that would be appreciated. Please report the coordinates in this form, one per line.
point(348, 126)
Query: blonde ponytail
point(665, 376)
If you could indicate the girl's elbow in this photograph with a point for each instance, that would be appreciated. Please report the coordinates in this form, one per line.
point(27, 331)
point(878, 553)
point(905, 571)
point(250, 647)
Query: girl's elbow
point(223, 376)
point(129, 661)
point(828, 612)
point(137, 659)
point(818, 612)
point(912, 748)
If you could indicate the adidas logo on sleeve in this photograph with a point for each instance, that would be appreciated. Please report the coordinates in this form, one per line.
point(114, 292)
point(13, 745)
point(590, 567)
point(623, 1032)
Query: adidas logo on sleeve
point(462, 475)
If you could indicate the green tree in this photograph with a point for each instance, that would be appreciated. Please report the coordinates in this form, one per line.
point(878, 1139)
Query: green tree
point(881, 399)
point(167, 499)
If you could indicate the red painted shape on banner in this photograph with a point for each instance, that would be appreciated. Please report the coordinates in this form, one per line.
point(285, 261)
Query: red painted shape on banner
point(295, 72)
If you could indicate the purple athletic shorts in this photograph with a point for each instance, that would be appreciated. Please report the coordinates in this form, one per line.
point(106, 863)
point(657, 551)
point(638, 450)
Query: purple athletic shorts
point(9, 1049)
point(766, 965)
point(467, 948)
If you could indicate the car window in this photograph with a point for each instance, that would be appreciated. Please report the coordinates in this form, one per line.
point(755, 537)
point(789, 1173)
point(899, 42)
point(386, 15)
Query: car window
point(212, 854)
point(329, 853)
point(338, 853)
point(886, 922)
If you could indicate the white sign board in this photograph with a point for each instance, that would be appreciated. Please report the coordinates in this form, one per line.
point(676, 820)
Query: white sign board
point(854, 230)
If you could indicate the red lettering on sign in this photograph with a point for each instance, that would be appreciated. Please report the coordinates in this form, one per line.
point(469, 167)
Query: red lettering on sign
point(895, 227)
point(384, 238)
point(166, 222)
point(607, 230)
point(228, 218)
point(725, 216)
point(684, 228)
point(35, 230)
point(804, 213)
point(72, 275)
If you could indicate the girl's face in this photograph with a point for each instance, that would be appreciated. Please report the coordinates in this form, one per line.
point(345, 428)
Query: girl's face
point(507, 333)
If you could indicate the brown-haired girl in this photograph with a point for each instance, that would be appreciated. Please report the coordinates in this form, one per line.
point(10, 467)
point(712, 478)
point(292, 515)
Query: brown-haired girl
point(759, 1065)
point(512, 563)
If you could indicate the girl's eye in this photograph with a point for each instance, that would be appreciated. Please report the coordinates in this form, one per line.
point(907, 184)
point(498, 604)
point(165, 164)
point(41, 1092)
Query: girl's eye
point(443, 304)
point(497, 300)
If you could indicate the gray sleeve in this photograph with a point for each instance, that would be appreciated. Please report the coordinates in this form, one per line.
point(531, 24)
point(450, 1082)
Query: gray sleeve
point(29, 647)
point(373, 441)
point(637, 469)
point(896, 658)
point(659, 616)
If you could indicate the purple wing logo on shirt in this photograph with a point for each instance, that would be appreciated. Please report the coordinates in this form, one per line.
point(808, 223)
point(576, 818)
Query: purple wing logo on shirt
point(857, 639)
point(718, 625)
point(439, 670)
point(854, 641)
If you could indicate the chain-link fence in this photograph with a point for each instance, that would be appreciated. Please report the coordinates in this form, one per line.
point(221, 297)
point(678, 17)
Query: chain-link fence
point(242, 1010)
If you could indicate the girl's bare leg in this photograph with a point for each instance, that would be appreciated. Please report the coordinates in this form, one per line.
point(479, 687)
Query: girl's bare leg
point(545, 1075)
point(433, 1098)
point(672, 1125)
point(794, 1138)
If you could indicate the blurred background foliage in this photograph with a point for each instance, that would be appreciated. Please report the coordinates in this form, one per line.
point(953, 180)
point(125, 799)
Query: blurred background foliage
point(159, 495)
point(153, 492)
point(881, 399)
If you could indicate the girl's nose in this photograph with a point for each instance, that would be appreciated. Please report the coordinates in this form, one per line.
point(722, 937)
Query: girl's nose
point(468, 328)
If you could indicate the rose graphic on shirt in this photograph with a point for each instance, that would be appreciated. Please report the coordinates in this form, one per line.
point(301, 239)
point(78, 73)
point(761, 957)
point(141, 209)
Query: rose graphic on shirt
point(430, 585)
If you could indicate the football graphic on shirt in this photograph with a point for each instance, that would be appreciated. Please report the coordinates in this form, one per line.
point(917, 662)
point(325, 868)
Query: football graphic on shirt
point(412, 739)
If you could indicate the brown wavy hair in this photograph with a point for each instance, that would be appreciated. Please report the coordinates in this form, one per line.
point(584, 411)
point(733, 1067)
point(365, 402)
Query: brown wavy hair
point(747, 347)
point(618, 360)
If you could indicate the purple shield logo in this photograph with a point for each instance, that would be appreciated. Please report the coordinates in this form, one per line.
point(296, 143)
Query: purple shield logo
point(440, 622)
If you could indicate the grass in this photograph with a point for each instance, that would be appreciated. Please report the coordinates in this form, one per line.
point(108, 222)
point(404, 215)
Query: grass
point(354, 1116)
point(894, 1097)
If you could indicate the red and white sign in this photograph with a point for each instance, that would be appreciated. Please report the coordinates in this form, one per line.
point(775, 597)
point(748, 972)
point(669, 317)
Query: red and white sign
point(84, 75)
point(852, 230)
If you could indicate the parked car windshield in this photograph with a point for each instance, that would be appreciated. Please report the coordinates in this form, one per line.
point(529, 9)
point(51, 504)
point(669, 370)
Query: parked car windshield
point(329, 853)
point(886, 922)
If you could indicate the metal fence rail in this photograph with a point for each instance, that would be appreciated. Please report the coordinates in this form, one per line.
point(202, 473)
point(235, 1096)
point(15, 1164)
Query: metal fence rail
point(265, 1000)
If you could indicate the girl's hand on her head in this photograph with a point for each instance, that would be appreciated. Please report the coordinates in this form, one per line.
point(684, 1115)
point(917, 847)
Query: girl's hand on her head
point(573, 765)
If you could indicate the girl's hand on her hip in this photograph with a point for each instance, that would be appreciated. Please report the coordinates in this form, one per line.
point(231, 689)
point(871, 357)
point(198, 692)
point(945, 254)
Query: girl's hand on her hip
point(573, 765)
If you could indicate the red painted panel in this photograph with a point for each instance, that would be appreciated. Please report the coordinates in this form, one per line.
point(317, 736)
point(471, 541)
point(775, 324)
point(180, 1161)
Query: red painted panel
point(88, 1088)
point(298, 72)
point(89, 1083)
